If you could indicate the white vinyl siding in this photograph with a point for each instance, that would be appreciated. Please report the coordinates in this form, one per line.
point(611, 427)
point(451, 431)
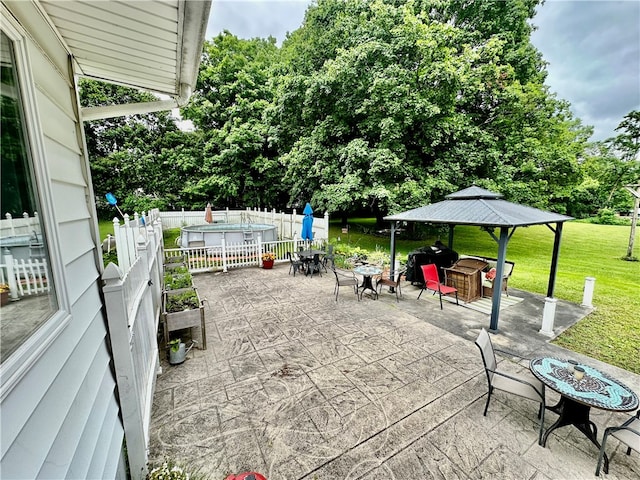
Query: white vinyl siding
point(61, 418)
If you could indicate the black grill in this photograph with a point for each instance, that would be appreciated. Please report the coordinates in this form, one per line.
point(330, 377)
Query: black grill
point(438, 253)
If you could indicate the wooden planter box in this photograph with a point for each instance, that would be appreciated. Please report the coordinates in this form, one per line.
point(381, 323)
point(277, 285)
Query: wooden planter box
point(184, 319)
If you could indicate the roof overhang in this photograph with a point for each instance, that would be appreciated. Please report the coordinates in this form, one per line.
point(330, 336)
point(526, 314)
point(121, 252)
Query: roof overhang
point(148, 45)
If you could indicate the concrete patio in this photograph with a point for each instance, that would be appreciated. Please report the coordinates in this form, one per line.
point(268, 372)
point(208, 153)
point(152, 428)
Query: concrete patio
point(295, 385)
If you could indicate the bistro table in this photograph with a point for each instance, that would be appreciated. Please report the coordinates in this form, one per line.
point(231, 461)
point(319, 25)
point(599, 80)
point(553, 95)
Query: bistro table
point(367, 272)
point(307, 256)
point(595, 389)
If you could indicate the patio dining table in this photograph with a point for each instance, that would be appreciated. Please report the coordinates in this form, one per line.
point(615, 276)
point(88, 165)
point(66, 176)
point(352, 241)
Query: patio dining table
point(367, 272)
point(577, 395)
point(307, 256)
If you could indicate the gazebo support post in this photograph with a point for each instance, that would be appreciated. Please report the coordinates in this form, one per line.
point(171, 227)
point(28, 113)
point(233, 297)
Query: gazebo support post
point(554, 259)
point(451, 227)
point(392, 269)
point(497, 283)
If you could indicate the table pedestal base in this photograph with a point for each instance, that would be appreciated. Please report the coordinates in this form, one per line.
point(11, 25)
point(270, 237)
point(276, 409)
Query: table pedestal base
point(367, 284)
point(573, 413)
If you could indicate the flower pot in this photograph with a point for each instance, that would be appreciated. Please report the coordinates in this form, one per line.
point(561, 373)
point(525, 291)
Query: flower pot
point(4, 298)
point(267, 264)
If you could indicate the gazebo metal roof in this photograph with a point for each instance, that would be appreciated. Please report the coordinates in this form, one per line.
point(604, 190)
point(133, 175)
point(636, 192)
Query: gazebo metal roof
point(487, 209)
point(477, 206)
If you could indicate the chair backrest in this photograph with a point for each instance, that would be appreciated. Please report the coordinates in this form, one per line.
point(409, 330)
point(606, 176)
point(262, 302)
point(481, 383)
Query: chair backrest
point(329, 249)
point(316, 259)
point(399, 276)
point(488, 356)
point(430, 274)
point(290, 257)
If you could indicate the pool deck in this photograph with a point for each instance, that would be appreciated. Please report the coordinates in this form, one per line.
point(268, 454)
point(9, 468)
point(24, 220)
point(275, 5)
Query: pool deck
point(295, 385)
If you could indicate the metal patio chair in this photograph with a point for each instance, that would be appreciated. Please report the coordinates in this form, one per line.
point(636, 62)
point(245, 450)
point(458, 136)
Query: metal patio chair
point(526, 386)
point(432, 282)
point(628, 433)
point(345, 279)
point(295, 264)
point(314, 266)
point(390, 282)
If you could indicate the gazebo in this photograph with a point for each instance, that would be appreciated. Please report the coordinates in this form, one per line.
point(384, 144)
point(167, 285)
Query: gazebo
point(486, 209)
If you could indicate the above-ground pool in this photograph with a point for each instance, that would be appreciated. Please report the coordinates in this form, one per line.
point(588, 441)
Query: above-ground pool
point(210, 235)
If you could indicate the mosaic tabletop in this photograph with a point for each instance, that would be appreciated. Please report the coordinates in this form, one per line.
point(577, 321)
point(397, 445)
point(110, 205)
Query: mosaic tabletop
point(367, 270)
point(595, 389)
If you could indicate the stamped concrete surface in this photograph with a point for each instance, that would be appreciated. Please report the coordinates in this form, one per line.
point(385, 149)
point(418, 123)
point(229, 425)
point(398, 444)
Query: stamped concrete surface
point(295, 385)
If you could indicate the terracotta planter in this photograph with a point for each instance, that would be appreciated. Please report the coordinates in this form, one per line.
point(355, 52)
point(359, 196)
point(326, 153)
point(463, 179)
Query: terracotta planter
point(4, 298)
point(267, 264)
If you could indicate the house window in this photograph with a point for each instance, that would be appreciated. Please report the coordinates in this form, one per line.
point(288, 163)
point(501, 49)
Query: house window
point(25, 268)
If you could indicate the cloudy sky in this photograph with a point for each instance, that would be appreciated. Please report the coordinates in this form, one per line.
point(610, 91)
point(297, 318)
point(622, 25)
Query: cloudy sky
point(592, 48)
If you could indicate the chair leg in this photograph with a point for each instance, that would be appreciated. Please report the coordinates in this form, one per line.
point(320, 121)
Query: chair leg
point(440, 294)
point(486, 407)
point(420, 294)
point(541, 417)
point(601, 455)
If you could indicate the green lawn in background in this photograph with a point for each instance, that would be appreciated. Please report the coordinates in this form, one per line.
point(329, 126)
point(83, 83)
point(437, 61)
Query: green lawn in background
point(611, 333)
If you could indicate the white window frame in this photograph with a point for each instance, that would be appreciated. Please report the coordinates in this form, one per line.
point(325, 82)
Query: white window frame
point(15, 367)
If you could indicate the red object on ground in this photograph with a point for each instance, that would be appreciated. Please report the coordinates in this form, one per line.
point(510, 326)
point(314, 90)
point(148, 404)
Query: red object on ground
point(246, 476)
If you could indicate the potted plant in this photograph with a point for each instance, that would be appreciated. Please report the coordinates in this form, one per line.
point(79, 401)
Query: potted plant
point(177, 278)
point(4, 294)
point(267, 259)
point(182, 308)
point(178, 351)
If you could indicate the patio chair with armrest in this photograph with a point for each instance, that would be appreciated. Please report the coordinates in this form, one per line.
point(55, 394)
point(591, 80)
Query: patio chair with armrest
point(314, 266)
point(329, 257)
point(295, 264)
point(432, 282)
point(628, 433)
point(390, 282)
point(345, 279)
point(523, 385)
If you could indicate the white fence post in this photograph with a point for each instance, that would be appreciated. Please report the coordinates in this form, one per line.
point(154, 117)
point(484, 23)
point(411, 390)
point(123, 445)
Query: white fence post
point(11, 274)
point(326, 225)
point(118, 321)
point(224, 255)
point(587, 295)
point(548, 316)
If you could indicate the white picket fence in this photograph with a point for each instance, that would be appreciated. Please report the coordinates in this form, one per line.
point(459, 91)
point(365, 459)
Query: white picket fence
point(24, 277)
point(236, 255)
point(288, 225)
point(132, 293)
point(25, 225)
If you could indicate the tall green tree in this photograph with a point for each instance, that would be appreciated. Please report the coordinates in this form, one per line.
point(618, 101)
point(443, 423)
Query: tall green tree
point(144, 160)
point(386, 106)
point(229, 107)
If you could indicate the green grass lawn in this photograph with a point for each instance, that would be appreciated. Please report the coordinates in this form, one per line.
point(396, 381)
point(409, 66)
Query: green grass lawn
point(611, 333)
